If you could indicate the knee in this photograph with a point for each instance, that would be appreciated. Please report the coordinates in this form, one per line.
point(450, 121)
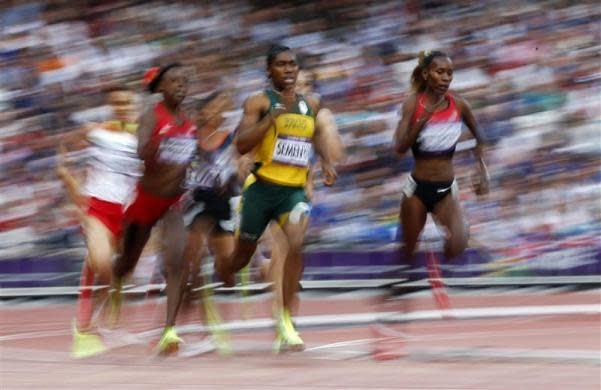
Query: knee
point(175, 265)
point(100, 260)
point(104, 271)
point(121, 266)
point(456, 245)
point(241, 258)
point(409, 248)
point(295, 245)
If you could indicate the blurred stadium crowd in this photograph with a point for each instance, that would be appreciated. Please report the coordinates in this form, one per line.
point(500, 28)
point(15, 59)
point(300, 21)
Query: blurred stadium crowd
point(531, 70)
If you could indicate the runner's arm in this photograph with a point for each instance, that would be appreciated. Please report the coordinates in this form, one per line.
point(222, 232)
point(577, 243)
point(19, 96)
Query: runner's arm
point(470, 121)
point(329, 135)
point(405, 134)
point(322, 144)
point(71, 186)
point(73, 190)
point(252, 127)
point(146, 124)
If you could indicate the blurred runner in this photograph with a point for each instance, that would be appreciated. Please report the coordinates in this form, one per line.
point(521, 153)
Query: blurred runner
point(112, 170)
point(166, 144)
point(212, 182)
point(431, 124)
point(273, 239)
point(278, 126)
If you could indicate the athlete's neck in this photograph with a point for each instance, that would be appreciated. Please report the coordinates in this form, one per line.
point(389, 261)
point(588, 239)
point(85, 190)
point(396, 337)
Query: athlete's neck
point(433, 98)
point(287, 91)
point(173, 108)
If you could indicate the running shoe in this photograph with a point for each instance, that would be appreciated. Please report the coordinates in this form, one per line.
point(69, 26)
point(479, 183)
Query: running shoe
point(169, 342)
point(86, 344)
point(287, 338)
point(219, 335)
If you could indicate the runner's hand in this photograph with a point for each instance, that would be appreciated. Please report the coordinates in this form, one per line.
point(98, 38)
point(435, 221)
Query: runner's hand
point(61, 168)
point(275, 112)
point(329, 174)
point(481, 187)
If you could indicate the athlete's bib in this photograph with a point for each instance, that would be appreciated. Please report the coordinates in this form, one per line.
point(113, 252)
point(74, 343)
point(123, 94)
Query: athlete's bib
point(177, 142)
point(177, 150)
point(290, 150)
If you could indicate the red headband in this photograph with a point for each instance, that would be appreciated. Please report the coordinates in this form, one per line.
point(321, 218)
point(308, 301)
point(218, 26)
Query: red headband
point(150, 75)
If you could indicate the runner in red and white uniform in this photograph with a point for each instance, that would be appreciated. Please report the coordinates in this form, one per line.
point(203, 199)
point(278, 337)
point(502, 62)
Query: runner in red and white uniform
point(431, 124)
point(112, 168)
point(166, 143)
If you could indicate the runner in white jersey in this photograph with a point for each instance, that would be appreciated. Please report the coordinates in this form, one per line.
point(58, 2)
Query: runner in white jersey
point(112, 168)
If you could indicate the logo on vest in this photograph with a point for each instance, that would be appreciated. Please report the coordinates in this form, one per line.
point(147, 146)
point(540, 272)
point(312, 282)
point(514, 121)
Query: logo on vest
point(302, 107)
point(165, 128)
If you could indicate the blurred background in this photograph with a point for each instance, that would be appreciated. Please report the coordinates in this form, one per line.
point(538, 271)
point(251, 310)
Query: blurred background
point(530, 69)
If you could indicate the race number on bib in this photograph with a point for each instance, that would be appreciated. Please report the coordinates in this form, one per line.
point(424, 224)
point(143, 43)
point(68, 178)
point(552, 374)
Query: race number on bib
point(292, 151)
point(177, 150)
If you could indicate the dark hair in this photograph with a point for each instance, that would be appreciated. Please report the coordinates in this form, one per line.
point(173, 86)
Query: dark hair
point(154, 84)
point(425, 58)
point(273, 52)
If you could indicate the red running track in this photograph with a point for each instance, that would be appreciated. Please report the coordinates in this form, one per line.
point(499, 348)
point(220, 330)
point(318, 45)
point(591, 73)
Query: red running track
point(531, 352)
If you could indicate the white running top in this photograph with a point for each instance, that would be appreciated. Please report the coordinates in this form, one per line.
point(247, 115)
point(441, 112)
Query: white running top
point(113, 166)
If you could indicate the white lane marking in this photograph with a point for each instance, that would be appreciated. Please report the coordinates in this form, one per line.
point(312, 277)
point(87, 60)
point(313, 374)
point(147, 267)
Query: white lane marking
point(359, 319)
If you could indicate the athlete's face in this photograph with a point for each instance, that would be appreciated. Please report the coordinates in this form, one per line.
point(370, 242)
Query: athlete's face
point(439, 74)
point(284, 70)
point(122, 105)
point(174, 85)
point(304, 83)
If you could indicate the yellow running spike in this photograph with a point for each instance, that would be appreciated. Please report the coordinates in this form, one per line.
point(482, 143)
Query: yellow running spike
point(214, 322)
point(287, 338)
point(169, 342)
point(86, 344)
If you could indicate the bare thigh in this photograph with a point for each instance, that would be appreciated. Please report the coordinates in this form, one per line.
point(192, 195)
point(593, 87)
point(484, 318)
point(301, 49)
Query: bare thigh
point(449, 214)
point(197, 237)
point(174, 239)
point(413, 220)
point(101, 245)
point(222, 244)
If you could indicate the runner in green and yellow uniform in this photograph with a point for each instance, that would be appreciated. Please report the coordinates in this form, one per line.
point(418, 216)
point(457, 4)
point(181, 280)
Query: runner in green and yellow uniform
point(278, 126)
